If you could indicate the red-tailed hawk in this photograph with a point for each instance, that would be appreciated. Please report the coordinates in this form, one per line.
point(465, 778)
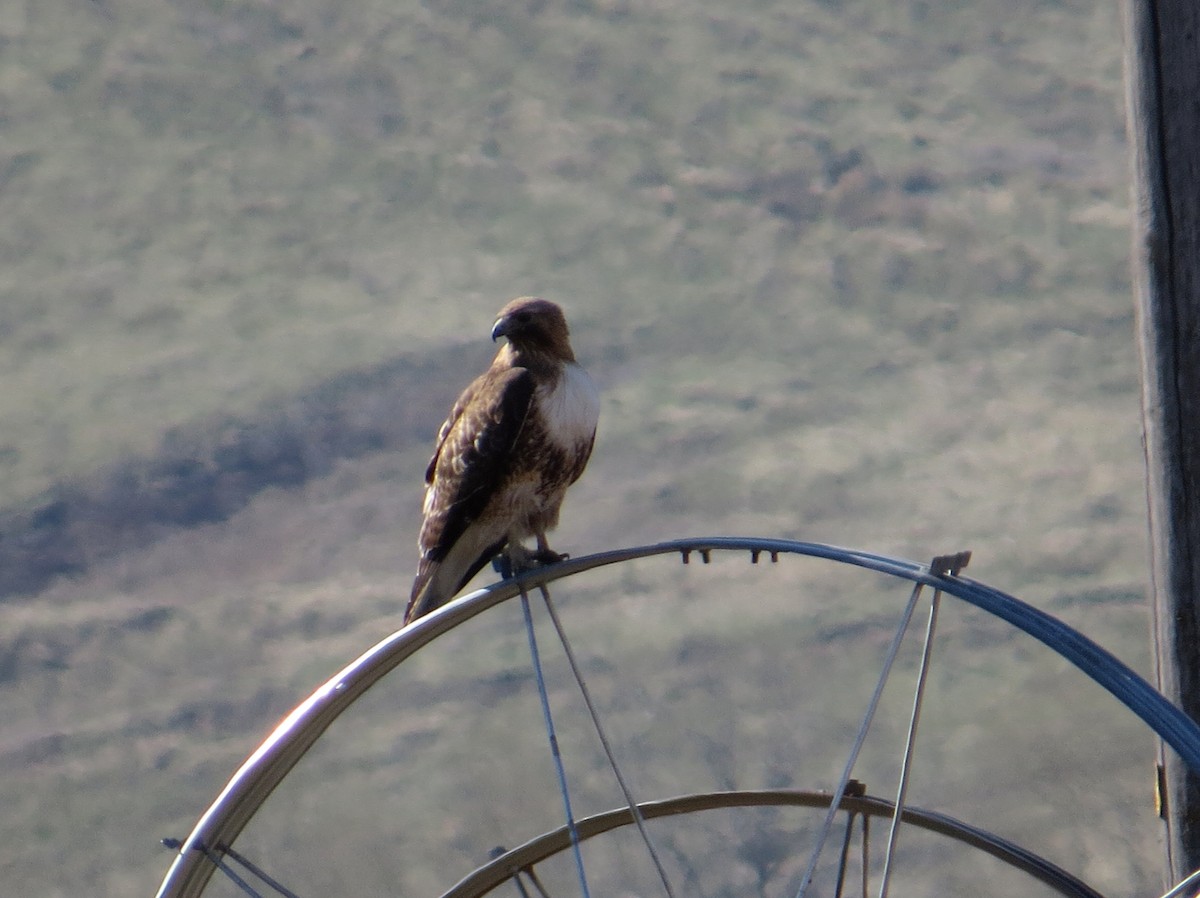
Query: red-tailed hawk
point(517, 437)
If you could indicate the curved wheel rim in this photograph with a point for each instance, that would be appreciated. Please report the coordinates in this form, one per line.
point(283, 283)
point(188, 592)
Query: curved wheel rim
point(262, 772)
point(500, 869)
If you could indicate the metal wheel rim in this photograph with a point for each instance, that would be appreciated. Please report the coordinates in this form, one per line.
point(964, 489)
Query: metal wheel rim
point(262, 772)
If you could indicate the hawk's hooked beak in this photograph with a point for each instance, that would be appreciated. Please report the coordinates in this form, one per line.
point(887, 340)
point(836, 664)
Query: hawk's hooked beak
point(499, 329)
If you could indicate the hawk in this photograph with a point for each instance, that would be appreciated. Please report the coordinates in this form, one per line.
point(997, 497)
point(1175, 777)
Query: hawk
point(517, 437)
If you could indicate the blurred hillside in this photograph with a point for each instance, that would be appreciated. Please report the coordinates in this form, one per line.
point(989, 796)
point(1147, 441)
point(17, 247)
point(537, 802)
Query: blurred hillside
point(846, 271)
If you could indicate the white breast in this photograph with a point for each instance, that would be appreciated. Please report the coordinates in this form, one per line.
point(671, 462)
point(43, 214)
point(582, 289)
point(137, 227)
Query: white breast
point(571, 408)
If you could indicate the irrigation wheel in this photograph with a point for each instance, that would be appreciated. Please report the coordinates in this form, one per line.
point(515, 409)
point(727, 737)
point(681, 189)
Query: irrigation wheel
point(660, 736)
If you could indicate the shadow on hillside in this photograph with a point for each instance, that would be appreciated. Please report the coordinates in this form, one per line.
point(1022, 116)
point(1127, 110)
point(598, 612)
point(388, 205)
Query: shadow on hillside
point(207, 471)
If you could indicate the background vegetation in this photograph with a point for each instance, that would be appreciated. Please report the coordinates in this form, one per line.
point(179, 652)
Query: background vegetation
point(846, 270)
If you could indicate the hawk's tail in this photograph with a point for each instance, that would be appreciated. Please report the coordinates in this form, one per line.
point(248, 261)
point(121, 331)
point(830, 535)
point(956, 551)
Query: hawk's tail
point(435, 585)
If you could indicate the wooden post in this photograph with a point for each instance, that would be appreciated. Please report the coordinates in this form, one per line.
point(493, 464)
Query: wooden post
point(1163, 93)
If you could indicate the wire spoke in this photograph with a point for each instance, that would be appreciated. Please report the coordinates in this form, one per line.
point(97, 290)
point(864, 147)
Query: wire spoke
point(866, 854)
point(516, 881)
point(552, 736)
point(940, 565)
point(845, 855)
point(537, 883)
point(910, 743)
point(259, 872)
point(860, 738)
point(634, 809)
point(230, 872)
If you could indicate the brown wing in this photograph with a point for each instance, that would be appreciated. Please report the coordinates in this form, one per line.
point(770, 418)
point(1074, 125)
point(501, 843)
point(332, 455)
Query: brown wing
point(473, 454)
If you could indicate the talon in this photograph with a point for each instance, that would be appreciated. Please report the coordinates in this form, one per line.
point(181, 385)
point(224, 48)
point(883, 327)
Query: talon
point(519, 559)
point(516, 559)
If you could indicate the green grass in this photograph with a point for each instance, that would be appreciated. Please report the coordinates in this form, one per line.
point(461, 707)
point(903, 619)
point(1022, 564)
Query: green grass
point(854, 272)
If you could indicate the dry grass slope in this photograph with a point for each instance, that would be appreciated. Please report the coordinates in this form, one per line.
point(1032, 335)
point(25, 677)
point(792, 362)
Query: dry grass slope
point(847, 270)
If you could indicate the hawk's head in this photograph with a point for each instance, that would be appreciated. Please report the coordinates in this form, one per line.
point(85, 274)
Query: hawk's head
point(534, 325)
